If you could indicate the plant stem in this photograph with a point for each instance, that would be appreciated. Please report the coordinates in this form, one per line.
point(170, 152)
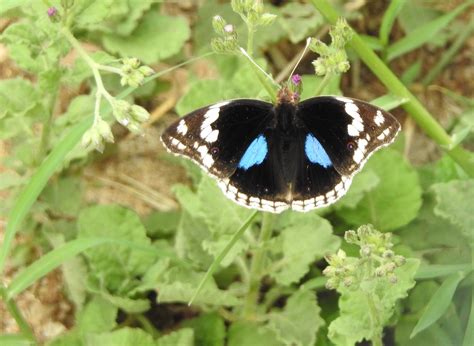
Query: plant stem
point(419, 113)
point(323, 84)
point(376, 328)
point(256, 267)
point(250, 38)
point(46, 133)
point(17, 315)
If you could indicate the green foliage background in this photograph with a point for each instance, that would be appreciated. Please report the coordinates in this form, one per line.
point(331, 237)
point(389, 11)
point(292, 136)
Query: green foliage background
point(119, 267)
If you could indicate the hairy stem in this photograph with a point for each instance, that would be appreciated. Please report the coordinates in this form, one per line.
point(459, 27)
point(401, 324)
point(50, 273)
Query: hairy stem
point(374, 319)
point(416, 110)
point(256, 268)
point(323, 84)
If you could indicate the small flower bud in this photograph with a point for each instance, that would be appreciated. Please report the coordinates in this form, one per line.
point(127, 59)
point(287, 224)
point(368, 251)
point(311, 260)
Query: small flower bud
point(390, 267)
point(332, 284)
point(343, 67)
point(229, 29)
point(121, 110)
point(139, 113)
point(380, 271)
point(392, 278)
point(388, 254)
point(267, 19)
point(319, 67)
point(351, 237)
point(365, 251)
point(296, 79)
point(53, 14)
point(104, 130)
point(399, 260)
point(134, 63)
point(135, 128)
point(146, 70)
point(348, 281)
point(219, 24)
point(329, 271)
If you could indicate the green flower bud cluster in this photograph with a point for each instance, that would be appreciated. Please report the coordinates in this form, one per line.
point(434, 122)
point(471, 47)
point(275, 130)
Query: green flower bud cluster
point(333, 58)
point(130, 116)
point(133, 72)
point(377, 259)
point(95, 137)
point(252, 13)
point(227, 42)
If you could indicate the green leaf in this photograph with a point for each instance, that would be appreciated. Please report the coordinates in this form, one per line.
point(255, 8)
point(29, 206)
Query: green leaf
point(439, 303)
point(64, 196)
point(453, 201)
point(115, 265)
point(97, 316)
point(388, 20)
point(248, 333)
point(122, 337)
point(299, 321)
point(396, 199)
point(311, 83)
point(156, 38)
point(299, 20)
point(306, 238)
point(469, 335)
point(14, 339)
point(129, 305)
point(182, 337)
point(49, 262)
point(160, 224)
point(354, 322)
point(179, 285)
point(209, 330)
point(424, 33)
point(363, 182)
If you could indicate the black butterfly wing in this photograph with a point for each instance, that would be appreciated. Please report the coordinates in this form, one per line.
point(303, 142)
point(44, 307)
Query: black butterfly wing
point(336, 137)
point(233, 141)
point(349, 130)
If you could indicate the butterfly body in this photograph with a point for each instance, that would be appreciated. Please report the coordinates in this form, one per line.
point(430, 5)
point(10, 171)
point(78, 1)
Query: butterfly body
point(298, 155)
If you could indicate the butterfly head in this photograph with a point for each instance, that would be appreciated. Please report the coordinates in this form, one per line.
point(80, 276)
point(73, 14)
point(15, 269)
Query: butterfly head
point(287, 95)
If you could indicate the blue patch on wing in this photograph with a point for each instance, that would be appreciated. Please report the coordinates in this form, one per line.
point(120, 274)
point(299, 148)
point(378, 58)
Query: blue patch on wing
point(315, 152)
point(255, 153)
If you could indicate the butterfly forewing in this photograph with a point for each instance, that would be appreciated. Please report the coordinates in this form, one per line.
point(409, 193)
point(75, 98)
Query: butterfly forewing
point(217, 136)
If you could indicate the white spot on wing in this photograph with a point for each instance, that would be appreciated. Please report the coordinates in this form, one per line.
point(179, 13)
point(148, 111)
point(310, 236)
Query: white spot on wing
point(379, 118)
point(182, 128)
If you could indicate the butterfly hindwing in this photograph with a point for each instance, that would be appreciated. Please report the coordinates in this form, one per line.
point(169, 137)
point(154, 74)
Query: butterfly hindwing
point(216, 137)
point(349, 130)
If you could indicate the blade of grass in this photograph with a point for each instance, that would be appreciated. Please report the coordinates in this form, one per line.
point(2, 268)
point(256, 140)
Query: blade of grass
point(449, 54)
point(438, 303)
point(52, 163)
point(389, 19)
point(389, 101)
point(469, 333)
point(49, 262)
point(217, 261)
point(424, 33)
point(431, 271)
point(416, 110)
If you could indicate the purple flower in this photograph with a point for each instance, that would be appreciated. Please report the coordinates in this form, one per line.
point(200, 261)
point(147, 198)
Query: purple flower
point(52, 11)
point(296, 79)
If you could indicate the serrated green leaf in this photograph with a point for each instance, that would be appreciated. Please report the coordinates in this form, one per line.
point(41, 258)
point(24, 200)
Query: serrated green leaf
point(179, 285)
point(157, 37)
point(438, 303)
point(13, 93)
point(209, 330)
point(423, 34)
point(307, 237)
point(122, 337)
point(64, 196)
point(116, 265)
point(182, 337)
point(129, 305)
point(299, 321)
point(395, 201)
point(354, 322)
point(453, 201)
point(248, 333)
point(98, 316)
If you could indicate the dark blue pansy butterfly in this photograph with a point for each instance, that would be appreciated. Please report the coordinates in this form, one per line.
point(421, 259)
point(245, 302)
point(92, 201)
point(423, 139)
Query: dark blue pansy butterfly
point(272, 157)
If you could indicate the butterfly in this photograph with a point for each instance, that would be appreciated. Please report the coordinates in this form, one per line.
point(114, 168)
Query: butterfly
point(272, 157)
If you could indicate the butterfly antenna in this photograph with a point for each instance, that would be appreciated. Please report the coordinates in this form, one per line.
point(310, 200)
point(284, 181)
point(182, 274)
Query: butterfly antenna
point(244, 52)
point(308, 42)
